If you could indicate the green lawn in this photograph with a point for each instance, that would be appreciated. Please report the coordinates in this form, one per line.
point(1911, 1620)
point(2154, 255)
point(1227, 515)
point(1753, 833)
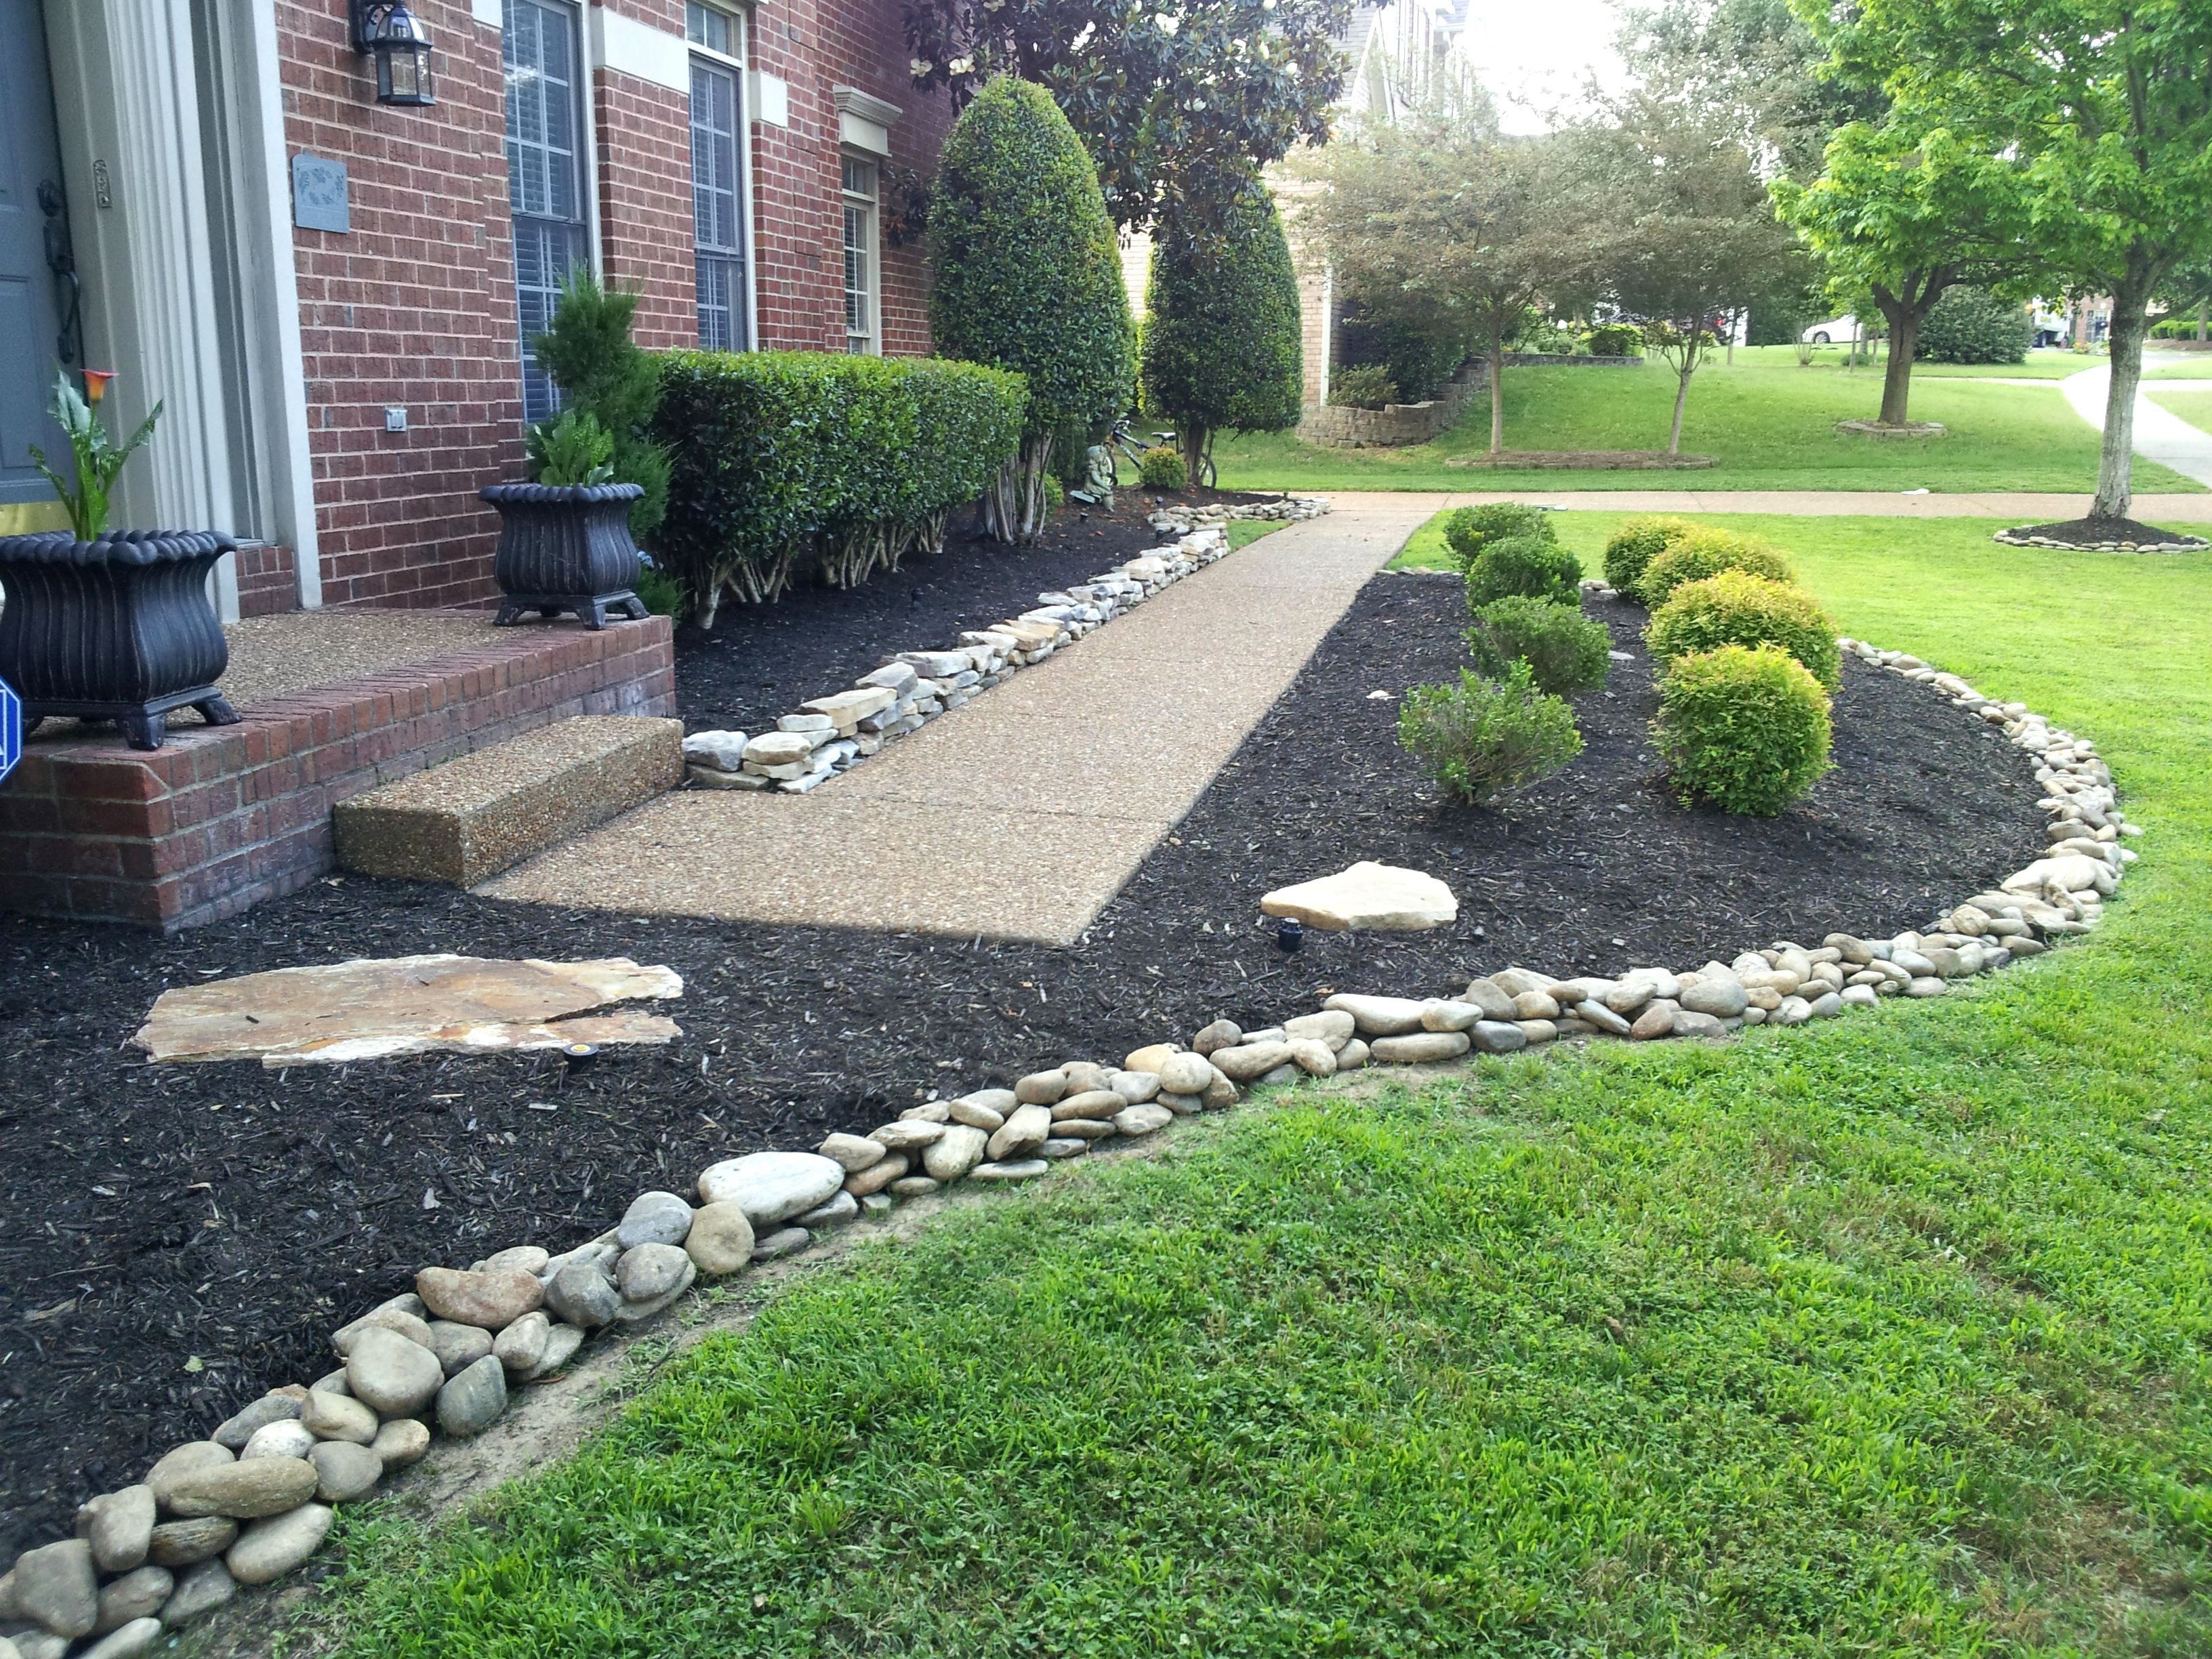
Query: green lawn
point(2194, 407)
point(1889, 1336)
point(1770, 424)
point(2196, 365)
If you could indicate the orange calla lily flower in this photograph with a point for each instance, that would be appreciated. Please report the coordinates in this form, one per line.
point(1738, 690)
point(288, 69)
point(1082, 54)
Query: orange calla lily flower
point(95, 384)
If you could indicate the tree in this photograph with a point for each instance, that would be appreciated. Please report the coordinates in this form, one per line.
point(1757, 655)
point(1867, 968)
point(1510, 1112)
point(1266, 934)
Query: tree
point(1439, 223)
point(2101, 111)
point(1696, 241)
point(1904, 213)
point(1223, 345)
point(1177, 101)
point(1029, 278)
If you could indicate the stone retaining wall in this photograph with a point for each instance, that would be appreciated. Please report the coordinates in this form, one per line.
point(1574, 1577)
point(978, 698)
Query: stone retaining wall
point(222, 817)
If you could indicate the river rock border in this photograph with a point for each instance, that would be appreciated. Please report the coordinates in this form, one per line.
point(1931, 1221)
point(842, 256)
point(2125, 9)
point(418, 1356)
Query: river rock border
point(825, 736)
point(255, 1500)
point(2021, 537)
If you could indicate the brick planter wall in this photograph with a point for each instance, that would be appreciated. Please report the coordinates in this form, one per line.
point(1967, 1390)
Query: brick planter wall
point(226, 817)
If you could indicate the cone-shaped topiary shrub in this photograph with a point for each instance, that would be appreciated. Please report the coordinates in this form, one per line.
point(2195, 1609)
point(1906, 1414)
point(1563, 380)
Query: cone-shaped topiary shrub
point(1222, 346)
point(1737, 608)
point(1706, 553)
point(1744, 728)
point(1029, 278)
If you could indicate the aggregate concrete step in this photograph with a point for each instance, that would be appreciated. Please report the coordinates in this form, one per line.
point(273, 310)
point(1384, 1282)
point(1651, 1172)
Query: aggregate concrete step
point(468, 820)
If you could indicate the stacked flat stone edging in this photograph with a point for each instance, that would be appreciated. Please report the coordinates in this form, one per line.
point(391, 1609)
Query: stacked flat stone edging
point(255, 1500)
point(2180, 545)
point(829, 735)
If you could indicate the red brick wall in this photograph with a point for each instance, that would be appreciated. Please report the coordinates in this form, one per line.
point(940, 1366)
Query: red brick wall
point(414, 308)
point(267, 581)
point(644, 135)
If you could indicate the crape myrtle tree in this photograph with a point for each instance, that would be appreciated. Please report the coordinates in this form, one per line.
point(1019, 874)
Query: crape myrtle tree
point(1693, 237)
point(1176, 101)
point(1029, 278)
point(1223, 348)
point(1438, 223)
point(1904, 213)
point(2102, 109)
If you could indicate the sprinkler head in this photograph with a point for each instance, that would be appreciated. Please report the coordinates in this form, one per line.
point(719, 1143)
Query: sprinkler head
point(578, 1055)
point(1290, 935)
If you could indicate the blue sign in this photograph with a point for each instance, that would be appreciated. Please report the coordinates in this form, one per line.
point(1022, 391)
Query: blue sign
point(11, 729)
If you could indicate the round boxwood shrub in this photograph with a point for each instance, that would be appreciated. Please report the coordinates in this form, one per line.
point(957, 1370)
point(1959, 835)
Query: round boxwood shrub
point(1971, 326)
point(1534, 567)
point(1637, 543)
point(1737, 608)
point(1028, 276)
point(1471, 529)
point(1566, 651)
point(1222, 347)
point(1479, 738)
point(1745, 727)
point(1706, 553)
point(1162, 468)
point(1616, 340)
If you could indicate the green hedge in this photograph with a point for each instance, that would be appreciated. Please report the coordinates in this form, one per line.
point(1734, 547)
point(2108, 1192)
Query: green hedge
point(1970, 325)
point(778, 457)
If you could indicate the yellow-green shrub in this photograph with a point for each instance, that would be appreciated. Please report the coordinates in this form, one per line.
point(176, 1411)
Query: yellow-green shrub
point(1745, 728)
point(1737, 608)
point(1706, 552)
point(1637, 543)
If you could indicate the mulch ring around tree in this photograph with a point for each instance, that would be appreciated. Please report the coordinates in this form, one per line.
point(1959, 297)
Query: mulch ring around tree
point(181, 1237)
point(2103, 536)
point(761, 661)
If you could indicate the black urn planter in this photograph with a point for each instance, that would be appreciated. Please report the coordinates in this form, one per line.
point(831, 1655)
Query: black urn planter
point(120, 629)
point(565, 547)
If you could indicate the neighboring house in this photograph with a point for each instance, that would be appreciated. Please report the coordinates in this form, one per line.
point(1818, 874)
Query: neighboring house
point(332, 295)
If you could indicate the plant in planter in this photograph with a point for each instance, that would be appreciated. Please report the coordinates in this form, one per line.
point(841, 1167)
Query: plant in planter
point(564, 539)
point(109, 625)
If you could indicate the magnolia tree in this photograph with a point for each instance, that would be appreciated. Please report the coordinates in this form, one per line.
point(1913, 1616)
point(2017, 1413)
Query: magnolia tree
point(1439, 222)
point(1222, 344)
point(2100, 113)
point(1691, 237)
point(1903, 212)
point(1177, 103)
point(1029, 278)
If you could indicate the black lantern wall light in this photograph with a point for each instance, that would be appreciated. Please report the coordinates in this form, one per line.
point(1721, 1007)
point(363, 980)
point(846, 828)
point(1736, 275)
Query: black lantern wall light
point(401, 46)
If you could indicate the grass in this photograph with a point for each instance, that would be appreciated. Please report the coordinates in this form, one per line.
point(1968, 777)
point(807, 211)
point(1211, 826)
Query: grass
point(1243, 532)
point(1892, 1336)
point(2196, 365)
point(1770, 424)
point(2194, 407)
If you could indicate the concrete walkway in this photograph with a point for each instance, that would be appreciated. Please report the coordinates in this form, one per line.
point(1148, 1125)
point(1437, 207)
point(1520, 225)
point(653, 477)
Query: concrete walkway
point(1021, 814)
point(2160, 434)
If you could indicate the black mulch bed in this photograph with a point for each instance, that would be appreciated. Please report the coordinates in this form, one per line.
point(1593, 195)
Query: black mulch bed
point(761, 661)
point(178, 1238)
point(2093, 533)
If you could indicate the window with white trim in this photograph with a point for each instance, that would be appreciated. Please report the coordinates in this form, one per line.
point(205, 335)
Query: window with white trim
point(543, 54)
point(718, 136)
point(861, 275)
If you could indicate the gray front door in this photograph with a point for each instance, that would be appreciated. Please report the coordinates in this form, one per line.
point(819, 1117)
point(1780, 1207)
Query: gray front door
point(30, 313)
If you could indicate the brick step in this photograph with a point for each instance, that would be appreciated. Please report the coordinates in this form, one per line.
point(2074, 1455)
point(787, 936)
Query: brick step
point(466, 821)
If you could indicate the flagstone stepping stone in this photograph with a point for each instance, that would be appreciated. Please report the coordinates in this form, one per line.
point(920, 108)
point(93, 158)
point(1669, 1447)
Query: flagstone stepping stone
point(368, 1009)
point(772, 1187)
point(1376, 897)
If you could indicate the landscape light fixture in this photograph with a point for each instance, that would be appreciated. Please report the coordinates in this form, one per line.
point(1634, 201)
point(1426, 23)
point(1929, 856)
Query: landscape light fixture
point(401, 46)
point(1289, 934)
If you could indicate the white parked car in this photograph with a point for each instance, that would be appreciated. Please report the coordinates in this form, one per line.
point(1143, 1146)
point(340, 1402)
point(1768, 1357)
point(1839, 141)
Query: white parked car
point(1837, 331)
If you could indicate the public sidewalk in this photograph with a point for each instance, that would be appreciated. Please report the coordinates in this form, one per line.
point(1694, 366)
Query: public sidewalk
point(1812, 503)
point(2160, 434)
point(1020, 814)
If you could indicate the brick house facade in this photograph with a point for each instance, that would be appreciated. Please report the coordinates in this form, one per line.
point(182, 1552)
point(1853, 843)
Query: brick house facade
point(335, 396)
